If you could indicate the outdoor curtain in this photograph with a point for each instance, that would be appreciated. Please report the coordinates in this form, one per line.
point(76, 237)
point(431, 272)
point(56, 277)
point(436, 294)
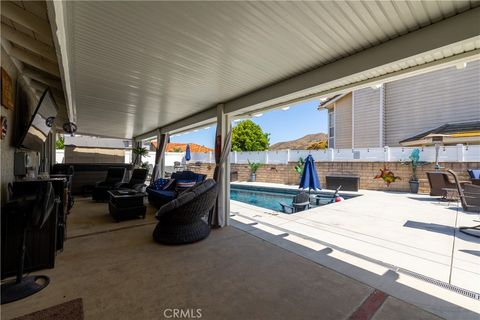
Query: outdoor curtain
point(159, 156)
point(216, 218)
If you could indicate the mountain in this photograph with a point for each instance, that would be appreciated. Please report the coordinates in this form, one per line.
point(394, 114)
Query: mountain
point(301, 143)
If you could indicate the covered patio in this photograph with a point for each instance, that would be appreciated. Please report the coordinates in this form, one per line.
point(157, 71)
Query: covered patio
point(143, 70)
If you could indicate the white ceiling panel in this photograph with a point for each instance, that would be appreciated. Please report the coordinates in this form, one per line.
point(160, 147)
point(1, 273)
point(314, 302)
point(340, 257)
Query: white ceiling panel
point(136, 66)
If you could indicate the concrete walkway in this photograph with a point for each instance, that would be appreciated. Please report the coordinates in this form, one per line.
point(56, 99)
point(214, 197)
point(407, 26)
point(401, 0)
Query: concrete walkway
point(382, 232)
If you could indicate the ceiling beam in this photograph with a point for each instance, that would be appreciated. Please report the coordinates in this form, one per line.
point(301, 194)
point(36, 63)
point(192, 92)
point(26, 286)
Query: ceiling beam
point(42, 78)
point(26, 19)
point(37, 85)
point(28, 42)
point(443, 33)
point(7, 47)
point(35, 61)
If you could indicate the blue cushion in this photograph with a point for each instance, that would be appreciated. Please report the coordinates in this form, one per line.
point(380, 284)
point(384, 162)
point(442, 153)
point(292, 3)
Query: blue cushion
point(169, 185)
point(474, 173)
point(165, 194)
point(159, 183)
point(188, 175)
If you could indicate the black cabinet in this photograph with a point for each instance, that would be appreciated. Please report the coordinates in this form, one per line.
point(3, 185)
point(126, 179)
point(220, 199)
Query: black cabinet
point(42, 245)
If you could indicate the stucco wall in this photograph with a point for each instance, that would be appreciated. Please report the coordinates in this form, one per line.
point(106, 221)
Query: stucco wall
point(24, 105)
point(285, 174)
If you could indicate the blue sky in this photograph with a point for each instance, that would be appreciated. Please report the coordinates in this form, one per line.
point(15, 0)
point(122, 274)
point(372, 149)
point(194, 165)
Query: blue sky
point(299, 120)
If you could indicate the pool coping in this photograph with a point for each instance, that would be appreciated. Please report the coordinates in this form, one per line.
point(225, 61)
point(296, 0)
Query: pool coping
point(291, 187)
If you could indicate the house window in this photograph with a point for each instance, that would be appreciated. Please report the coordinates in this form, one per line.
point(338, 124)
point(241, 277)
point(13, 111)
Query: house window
point(331, 128)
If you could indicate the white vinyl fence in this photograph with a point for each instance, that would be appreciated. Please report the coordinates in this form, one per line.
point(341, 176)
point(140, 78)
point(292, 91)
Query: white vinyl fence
point(458, 153)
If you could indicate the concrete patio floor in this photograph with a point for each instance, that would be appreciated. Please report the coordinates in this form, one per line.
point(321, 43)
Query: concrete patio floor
point(121, 273)
point(412, 236)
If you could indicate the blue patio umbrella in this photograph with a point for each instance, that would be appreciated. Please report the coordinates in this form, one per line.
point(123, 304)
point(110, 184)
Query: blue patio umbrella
point(309, 176)
point(187, 153)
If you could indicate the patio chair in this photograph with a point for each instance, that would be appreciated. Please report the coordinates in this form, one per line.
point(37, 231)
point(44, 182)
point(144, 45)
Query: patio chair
point(137, 180)
point(439, 181)
point(196, 165)
point(469, 194)
point(159, 197)
point(182, 220)
point(300, 202)
point(114, 176)
point(474, 176)
point(177, 166)
point(470, 198)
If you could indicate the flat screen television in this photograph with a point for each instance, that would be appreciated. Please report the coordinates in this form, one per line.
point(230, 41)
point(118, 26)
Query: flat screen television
point(41, 123)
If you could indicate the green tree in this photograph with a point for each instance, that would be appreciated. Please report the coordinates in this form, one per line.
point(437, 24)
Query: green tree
point(60, 143)
point(248, 136)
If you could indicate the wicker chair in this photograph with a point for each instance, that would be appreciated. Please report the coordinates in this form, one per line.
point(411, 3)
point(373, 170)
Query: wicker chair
point(474, 176)
point(182, 220)
point(438, 182)
point(469, 194)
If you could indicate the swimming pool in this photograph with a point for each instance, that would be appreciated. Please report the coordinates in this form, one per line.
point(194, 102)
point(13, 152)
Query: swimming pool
point(270, 198)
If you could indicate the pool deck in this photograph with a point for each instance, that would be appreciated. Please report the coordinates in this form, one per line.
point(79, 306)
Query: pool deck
point(388, 240)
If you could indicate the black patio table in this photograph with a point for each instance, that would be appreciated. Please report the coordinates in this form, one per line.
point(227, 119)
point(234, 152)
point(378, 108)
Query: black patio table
point(127, 204)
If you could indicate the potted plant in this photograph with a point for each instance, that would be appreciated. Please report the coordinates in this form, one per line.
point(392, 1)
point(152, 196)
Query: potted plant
point(415, 163)
point(253, 170)
point(139, 152)
point(299, 166)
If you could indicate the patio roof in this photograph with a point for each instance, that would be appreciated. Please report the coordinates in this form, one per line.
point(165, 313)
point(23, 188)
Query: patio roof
point(131, 68)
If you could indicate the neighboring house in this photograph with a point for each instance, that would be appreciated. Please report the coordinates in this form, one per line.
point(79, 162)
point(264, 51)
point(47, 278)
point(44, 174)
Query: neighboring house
point(395, 111)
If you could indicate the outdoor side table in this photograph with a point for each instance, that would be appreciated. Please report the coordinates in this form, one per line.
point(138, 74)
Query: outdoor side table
point(126, 204)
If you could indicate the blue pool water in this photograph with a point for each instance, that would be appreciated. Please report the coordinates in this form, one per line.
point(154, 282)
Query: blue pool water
point(269, 198)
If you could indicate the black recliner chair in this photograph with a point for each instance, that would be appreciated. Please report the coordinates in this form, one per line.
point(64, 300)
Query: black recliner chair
point(114, 177)
point(36, 210)
point(137, 180)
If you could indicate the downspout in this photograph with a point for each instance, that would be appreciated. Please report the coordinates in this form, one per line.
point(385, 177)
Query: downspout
point(353, 119)
point(382, 117)
point(335, 124)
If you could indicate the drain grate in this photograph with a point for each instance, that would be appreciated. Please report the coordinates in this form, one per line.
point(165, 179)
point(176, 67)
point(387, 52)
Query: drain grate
point(450, 287)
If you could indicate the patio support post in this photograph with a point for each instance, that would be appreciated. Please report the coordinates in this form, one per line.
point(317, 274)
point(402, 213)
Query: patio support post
point(159, 168)
point(220, 216)
point(161, 164)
